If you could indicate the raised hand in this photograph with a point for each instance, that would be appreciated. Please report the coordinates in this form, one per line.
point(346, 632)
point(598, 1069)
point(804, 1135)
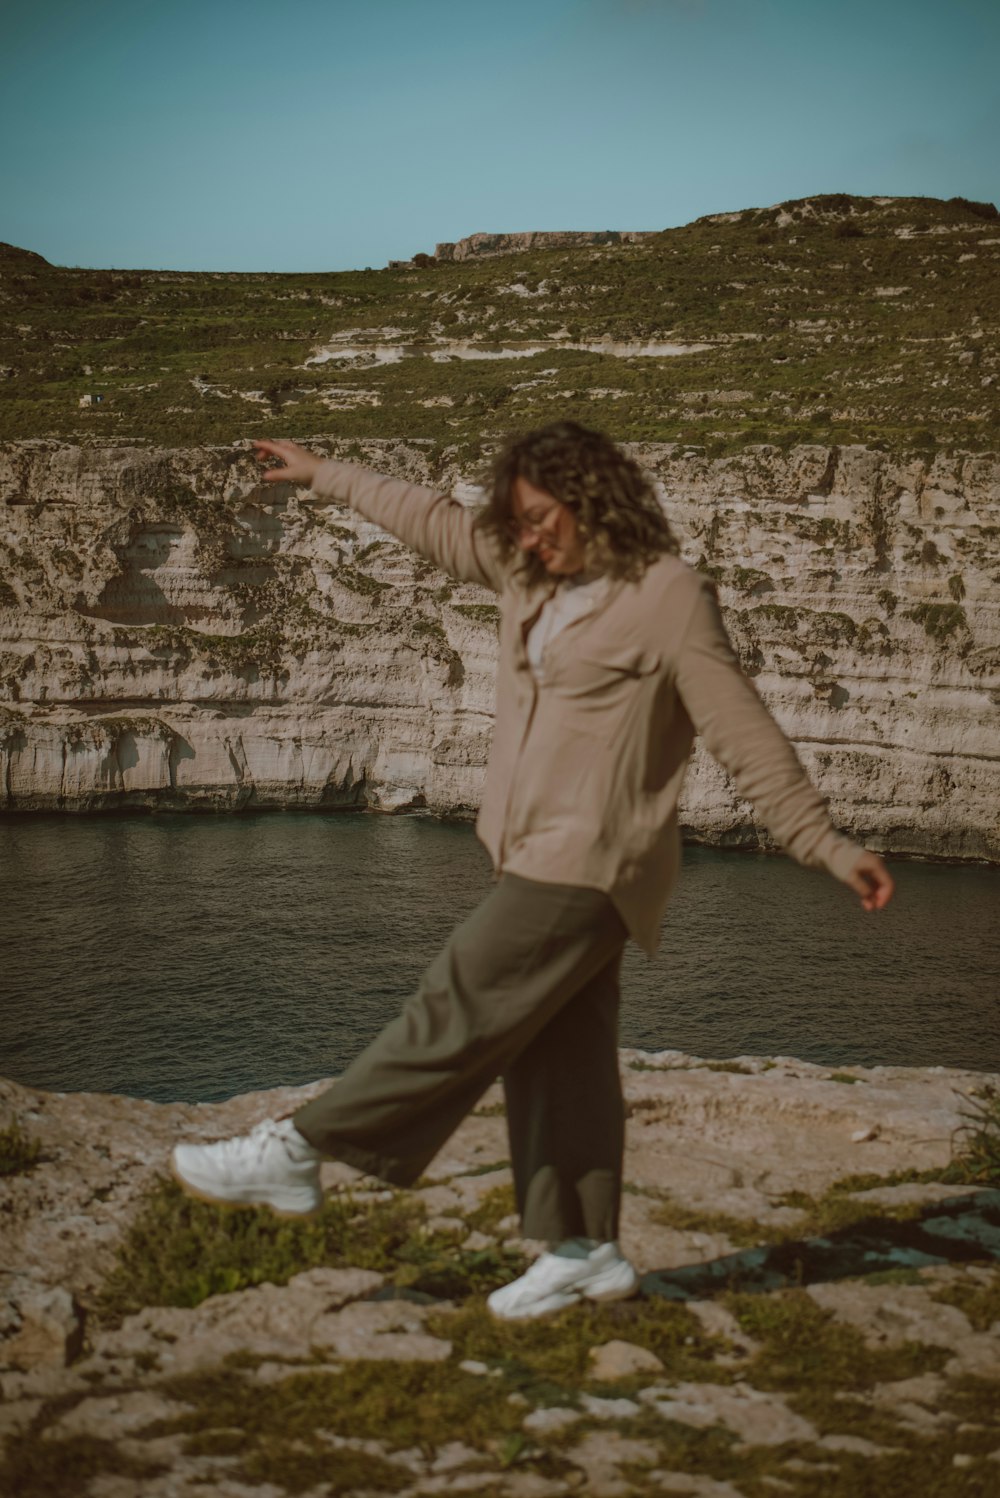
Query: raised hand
point(299, 463)
point(872, 881)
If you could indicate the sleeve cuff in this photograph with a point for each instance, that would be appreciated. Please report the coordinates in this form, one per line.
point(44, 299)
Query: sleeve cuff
point(842, 858)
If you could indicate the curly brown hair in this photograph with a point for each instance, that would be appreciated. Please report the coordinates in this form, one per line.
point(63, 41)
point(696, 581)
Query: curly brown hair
point(621, 524)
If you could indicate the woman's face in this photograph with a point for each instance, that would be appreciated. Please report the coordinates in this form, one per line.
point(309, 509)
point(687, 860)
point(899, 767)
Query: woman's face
point(546, 526)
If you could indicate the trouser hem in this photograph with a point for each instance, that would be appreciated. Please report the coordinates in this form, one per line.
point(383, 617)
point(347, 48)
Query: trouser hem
point(385, 1167)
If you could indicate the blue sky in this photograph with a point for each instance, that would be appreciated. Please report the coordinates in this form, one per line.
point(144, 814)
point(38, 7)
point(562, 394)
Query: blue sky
point(321, 135)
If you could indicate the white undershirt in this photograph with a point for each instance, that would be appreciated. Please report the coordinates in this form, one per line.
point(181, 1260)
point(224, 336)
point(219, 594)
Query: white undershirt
point(570, 601)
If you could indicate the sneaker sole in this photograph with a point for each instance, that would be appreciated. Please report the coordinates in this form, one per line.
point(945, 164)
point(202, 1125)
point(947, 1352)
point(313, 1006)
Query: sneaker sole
point(201, 1195)
point(617, 1286)
point(550, 1306)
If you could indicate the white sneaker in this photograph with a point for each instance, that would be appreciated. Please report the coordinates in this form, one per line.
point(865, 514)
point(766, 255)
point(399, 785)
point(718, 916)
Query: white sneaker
point(272, 1165)
point(555, 1281)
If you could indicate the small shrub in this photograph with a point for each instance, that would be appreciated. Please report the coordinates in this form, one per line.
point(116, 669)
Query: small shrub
point(940, 620)
point(34, 1468)
point(778, 614)
point(429, 628)
point(833, 628)
point(976, 1141)
point(18, 1153)
point(483, 613)
point(980, 1302)
point(360, 582)
point(977, 209)
point(750, 580)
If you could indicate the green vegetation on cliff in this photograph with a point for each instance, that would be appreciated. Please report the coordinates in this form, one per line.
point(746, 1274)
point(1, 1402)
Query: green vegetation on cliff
point(831, 319)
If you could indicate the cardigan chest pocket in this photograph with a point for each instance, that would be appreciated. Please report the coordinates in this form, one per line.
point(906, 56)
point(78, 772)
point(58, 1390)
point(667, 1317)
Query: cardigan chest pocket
point(596, 672)
point(601, 689)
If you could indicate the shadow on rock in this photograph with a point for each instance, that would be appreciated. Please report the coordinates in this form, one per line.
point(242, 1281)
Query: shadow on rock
point(957, 1230)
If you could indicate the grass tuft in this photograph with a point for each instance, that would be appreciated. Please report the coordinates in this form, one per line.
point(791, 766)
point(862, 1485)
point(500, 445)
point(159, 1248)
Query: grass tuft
point(403, 1404)
point(976, 1141)
point(980, 1302)
point(18, 1152)
point(494, 1206)
point(178, 1252)
point(39, 1468)
point(836, 1209)
point(548, 1360)
point(806, 1351)
point(298, 1465)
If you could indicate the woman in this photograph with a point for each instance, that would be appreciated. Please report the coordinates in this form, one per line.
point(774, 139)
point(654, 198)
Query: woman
point(612, 656)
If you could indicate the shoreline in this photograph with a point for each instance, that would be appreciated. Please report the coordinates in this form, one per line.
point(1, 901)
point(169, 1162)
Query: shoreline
point(742, 843)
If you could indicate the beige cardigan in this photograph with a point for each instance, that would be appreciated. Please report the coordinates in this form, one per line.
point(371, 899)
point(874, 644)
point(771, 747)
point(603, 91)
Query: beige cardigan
point(585, 771)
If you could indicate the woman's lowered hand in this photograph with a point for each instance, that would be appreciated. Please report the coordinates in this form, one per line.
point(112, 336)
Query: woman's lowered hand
point(300, 464)
point(872, 881)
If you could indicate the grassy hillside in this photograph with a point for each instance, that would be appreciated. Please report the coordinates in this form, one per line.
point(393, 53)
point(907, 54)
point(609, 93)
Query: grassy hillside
point(830, 319)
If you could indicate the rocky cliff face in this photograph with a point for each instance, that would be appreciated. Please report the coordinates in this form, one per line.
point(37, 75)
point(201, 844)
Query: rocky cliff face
point(479, 245)
point(173, 635)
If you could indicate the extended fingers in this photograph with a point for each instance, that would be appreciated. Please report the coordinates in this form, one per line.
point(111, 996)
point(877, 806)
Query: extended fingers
point(873, 882)
point(273, 449)
point(297, 460)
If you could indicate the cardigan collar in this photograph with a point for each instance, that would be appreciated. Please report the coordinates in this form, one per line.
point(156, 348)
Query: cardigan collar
point(531, 601)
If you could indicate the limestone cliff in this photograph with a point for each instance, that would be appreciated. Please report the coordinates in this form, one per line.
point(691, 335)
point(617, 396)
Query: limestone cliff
point(173, 635)
point(480, 245)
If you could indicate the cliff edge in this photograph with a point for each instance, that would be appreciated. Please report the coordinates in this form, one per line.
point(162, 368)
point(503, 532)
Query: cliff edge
point(819, 1310)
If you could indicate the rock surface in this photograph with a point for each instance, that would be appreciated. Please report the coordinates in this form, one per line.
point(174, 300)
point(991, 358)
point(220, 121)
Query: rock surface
point(475, 246)
point(717, 1394)
point(172, 635)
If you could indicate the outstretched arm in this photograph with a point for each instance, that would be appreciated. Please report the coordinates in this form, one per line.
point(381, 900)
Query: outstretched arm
point(739, 731)
point(437, 527)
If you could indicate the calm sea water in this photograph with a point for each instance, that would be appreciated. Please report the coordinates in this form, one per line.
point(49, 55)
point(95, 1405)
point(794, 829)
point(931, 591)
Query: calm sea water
point(185, 957)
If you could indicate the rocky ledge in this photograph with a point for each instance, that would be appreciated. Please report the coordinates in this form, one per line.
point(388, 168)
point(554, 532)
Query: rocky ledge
point(820, 1305)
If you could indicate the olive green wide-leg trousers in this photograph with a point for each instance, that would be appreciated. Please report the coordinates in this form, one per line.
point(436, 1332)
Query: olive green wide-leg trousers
point(526, 988)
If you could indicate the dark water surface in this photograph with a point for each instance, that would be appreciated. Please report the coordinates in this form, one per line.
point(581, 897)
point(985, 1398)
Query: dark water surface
point(185, 957)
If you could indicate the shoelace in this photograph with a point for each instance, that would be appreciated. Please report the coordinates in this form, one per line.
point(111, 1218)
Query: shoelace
point(543, 1267)
point(259, 1137)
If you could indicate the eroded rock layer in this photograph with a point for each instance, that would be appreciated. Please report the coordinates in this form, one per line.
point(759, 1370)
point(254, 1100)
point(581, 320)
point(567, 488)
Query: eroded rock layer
point(174, 635)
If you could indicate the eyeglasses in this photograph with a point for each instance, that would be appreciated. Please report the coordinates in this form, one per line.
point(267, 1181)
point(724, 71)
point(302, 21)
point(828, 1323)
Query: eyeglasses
point(533, 523)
